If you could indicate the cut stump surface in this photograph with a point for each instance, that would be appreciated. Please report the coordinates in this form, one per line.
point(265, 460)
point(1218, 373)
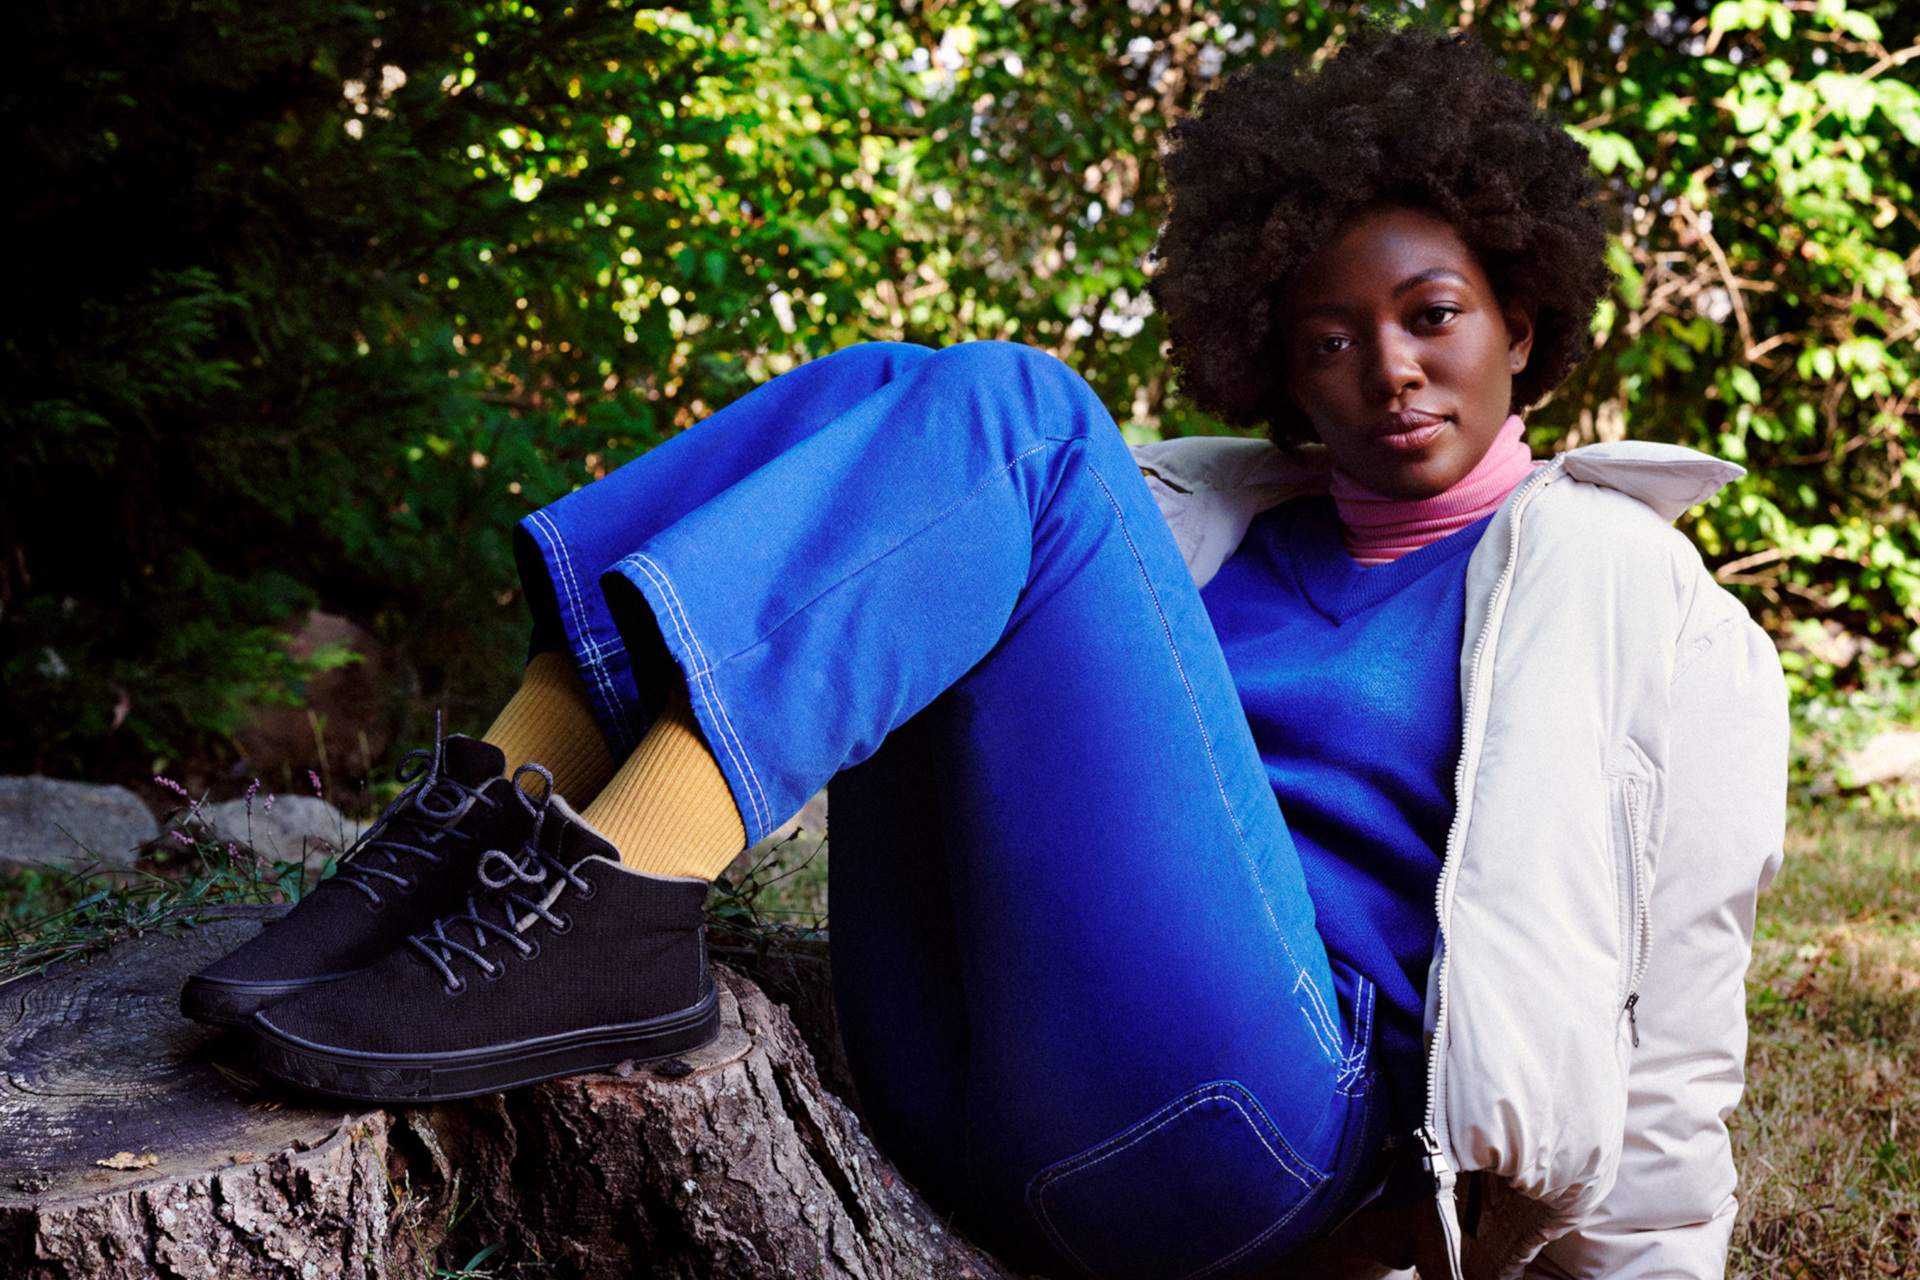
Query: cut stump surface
point(730, 1162)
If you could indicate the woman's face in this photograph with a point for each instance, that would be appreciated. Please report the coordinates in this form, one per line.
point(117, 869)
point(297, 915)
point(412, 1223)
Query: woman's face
point(1400, 354)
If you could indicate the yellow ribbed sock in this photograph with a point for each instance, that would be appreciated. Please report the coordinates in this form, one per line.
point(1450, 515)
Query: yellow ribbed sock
point(668, 810)
point(550, 722)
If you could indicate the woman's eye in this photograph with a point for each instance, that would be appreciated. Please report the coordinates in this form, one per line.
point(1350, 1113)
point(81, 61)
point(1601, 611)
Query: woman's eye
point(1438, 315)
point(1329, 343)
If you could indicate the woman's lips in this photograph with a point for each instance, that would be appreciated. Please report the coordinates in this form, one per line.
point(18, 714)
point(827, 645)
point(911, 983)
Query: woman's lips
point(1411, 432)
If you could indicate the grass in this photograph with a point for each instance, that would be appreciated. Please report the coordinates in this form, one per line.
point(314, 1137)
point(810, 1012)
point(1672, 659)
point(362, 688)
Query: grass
point(1828, 1138)
point(778, 885)
point(48, 916)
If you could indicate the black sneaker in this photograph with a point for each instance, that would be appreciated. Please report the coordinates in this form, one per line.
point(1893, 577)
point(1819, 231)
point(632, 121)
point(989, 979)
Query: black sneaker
point(568, 962)
point(413, 865)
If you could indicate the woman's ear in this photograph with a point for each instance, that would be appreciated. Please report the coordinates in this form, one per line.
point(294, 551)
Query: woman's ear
point(1519, 314)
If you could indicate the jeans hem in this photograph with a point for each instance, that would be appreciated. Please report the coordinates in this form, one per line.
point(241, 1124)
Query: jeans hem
point(601, 659)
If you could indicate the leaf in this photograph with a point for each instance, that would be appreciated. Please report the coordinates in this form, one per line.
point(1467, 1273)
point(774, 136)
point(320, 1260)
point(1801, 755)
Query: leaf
point(80, 907)
point(1750, 15)
point(1609, 151)
point(484, 1254)
point(473, 1264)
point(1861, 26)
point(126, 1160)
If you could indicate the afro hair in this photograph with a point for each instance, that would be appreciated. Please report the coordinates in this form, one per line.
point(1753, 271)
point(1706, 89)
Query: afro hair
point(1281, 160)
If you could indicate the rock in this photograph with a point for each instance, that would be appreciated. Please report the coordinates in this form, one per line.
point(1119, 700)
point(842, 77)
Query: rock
point(1893, 756)
point(71, 824)
point(348, 710)
point(297, 828)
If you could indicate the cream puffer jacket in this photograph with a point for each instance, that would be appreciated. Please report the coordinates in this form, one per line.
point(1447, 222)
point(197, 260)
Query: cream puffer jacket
point(1620, 806)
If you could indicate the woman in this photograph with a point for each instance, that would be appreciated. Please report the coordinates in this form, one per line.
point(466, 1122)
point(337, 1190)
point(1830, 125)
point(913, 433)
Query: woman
point(1208, 865)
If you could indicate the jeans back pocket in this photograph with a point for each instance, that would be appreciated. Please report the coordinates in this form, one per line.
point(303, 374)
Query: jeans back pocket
point(1189, 1191)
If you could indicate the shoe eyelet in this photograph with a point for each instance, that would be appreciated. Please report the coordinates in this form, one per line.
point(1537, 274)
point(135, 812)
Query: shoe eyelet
point(587, 894)
point(564, 927)
point(376, 905)
point(494, 974)
point(532, 952)
point(455, 987)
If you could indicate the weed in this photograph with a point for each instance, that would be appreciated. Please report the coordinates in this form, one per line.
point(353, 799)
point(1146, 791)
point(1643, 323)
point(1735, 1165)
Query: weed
point(780, 888)
point(472, 1270)
point(49, 916)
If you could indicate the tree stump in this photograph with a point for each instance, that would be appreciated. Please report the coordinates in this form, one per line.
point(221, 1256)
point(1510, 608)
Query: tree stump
point(733, 1161)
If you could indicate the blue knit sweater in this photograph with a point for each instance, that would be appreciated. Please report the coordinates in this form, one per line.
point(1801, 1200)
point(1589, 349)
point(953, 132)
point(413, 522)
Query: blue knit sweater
point(1350, 679)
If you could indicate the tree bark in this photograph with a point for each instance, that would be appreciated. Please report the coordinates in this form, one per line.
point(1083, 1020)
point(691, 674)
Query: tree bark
point(734, 1161)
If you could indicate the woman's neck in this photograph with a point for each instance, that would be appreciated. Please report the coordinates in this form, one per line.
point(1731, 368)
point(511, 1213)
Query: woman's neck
point(1379, 529)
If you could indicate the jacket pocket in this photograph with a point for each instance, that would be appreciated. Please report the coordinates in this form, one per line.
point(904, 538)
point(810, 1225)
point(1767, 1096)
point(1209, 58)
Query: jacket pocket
point(1631, 800)
point(1197, 1187)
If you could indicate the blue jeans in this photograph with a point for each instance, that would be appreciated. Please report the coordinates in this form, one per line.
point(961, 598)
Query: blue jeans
point(1076, 964)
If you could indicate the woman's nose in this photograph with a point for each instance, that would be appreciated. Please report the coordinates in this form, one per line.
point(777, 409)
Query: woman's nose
point(1397, 368)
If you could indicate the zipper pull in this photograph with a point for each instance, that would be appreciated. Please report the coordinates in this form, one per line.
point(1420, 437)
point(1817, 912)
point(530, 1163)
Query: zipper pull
point(1632, 1024)
point(1434, 1161)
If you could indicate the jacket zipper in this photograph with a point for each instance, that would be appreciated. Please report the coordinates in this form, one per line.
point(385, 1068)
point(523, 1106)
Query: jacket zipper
point(1440, 1169)
point(1432, 1133)
point(1642, 940)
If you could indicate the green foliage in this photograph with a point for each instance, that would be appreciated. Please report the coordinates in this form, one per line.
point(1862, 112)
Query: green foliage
point(1761, 160)
point(319, 299)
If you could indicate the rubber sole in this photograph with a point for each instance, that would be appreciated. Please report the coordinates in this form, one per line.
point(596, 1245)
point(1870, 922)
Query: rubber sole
point(233, 1004)
point(467, 1073)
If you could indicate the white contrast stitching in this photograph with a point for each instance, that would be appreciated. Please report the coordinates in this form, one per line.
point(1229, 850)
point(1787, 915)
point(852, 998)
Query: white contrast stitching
point(1193, 700)
point(927, 524)
point(701, 679)
point(1316, 1024)
point(695, 678)
point(1215, 1091)
point(704, 666)
point(594, 653)
point(699, 669)
point(1194, 1097)
point(1329, 1021)
point(1354, 1072)
point(712, 692)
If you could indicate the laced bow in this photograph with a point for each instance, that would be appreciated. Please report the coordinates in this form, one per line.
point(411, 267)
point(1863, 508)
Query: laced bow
point(503, 910)
point(417, 823)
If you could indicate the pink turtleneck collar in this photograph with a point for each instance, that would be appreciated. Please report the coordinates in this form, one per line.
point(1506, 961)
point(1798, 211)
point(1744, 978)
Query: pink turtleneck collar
point(1379, 530)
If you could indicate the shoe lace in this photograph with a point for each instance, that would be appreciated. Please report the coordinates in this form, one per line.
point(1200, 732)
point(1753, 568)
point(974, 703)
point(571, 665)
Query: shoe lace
point(417, 824)
point(503, 910)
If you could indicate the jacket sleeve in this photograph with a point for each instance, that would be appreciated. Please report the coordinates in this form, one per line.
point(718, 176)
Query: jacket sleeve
point(1670, 1213)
